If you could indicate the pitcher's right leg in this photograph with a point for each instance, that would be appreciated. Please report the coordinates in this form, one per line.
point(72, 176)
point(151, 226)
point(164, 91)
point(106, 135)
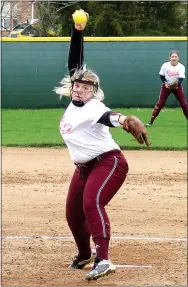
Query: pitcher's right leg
point(77, 221)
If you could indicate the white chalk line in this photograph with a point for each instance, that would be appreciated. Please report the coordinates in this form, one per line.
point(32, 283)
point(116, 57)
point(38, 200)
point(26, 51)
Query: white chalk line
point(125, 266)
point(113, 237)
point(133, 266)
point(90, 265)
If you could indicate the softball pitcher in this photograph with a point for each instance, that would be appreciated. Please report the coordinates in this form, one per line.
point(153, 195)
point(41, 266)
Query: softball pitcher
point(172, 74)
point(100, 166)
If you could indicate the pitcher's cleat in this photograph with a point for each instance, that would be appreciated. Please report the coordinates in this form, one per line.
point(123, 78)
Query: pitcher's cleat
point(80, 264)
point(148, 124)
point(100, 269)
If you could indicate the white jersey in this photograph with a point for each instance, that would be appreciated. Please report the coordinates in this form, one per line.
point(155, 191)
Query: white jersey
point(172, 73)
point(84, 137)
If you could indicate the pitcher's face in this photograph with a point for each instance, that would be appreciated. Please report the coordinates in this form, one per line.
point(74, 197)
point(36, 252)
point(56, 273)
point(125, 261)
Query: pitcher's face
point(82, 92)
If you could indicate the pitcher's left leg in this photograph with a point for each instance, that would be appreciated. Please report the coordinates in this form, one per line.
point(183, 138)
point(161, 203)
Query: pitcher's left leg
point(102, 184)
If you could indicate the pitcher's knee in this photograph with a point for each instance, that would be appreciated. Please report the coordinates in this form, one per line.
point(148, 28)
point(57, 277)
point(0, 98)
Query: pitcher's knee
point(70, 215)
point(89, 204)
point(69, 218)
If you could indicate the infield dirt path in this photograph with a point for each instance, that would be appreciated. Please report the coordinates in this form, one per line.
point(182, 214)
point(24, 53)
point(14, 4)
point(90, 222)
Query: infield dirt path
point(151, 204)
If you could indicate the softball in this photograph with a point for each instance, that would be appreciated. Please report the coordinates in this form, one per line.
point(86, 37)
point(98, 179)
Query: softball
point(79, 17)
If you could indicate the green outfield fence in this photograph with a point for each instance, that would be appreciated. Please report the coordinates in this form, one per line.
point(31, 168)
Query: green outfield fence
point(127, 66)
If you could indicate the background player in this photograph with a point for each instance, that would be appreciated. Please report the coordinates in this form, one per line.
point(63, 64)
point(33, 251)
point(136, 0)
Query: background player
point(172, 74)
point(101, 168)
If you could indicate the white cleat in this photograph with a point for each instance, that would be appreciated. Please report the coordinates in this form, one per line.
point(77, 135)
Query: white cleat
point(101, 269)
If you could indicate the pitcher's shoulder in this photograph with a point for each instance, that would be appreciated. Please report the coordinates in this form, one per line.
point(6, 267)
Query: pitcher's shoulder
point(96, 103)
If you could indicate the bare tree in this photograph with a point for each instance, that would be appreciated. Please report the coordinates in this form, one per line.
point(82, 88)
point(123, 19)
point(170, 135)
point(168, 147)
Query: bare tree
point(63, 4)
point(5, 14)
point(48, 13)
point(10, 14)
point(2, 5)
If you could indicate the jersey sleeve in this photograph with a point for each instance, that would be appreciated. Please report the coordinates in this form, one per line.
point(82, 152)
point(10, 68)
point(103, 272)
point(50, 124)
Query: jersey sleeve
point(98, 109)
point(162, 70)
point(182, 72)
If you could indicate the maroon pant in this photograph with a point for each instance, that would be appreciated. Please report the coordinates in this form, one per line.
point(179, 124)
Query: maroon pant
point(179, 94)
point(91, 188)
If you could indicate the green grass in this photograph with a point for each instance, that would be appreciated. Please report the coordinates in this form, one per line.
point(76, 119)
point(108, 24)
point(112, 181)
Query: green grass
point(40, 128)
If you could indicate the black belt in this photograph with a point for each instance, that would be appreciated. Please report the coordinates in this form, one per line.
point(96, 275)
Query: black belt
point(96, 159)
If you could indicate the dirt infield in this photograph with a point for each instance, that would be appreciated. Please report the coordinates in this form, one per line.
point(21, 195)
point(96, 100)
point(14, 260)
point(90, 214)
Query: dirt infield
point(148, 220)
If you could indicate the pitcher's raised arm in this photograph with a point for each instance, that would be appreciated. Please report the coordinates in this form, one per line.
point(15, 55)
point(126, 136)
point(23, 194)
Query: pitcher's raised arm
point(76, 51)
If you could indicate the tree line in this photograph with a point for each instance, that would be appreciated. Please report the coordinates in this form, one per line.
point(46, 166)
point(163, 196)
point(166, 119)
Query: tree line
point(116, 18)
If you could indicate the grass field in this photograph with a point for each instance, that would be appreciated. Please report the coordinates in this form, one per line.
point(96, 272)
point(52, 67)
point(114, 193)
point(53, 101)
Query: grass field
point(40, 128)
